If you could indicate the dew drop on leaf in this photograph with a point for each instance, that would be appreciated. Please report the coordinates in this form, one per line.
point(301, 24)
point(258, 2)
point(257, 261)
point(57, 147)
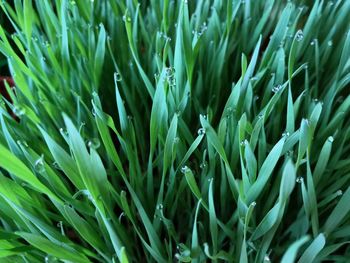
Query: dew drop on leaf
point(201, 131)
point(299, 180)
point(267, 258)
point(94, 143)
point(63, 132)
point(39, 164)
point(285, 134)
point(117, 77)
point(22, 143)
point(56, 166)
point(203, 165)
point(276, 89)
point(184, 169)
point(299, 35)
point(19, 110)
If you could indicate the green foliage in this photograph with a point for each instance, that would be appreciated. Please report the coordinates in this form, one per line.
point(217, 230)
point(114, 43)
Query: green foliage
point(176, 130)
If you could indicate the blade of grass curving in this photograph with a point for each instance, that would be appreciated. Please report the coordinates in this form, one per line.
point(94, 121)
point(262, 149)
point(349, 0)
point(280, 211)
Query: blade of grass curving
point(291, 254)
point(313, 249)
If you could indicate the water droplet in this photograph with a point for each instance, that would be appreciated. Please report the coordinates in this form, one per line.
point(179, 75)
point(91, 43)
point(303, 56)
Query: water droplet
point(229, 110)
point(299, 179)
point(160, 206)
point(19, 110)
point(330, 43)
point(285, 134)
point(184, 169)
point(170, 71)
point(39, 164)
point(94, 143)
point(299, 35)
point(330, 139)
point(201, 131)
point(126, 18)
point(339, 192)
point(156, 76)
point(253, 203)
point(244, 143)
point(56, 166)
point(63, 132)
point(117, 77)
point(22, 143)
point(60, 224)
point(203, 28)
point(260, 116)
point(203, 165)
point(176, 140)
point(170, 77)
point(167, 39)
point(276, 88)
point(313, 42)
point(267, 258)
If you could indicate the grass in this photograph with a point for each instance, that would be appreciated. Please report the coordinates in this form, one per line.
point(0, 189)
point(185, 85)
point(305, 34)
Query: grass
point(176, 130)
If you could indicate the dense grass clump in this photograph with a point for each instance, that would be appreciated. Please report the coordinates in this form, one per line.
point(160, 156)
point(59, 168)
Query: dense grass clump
point(176, 131)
